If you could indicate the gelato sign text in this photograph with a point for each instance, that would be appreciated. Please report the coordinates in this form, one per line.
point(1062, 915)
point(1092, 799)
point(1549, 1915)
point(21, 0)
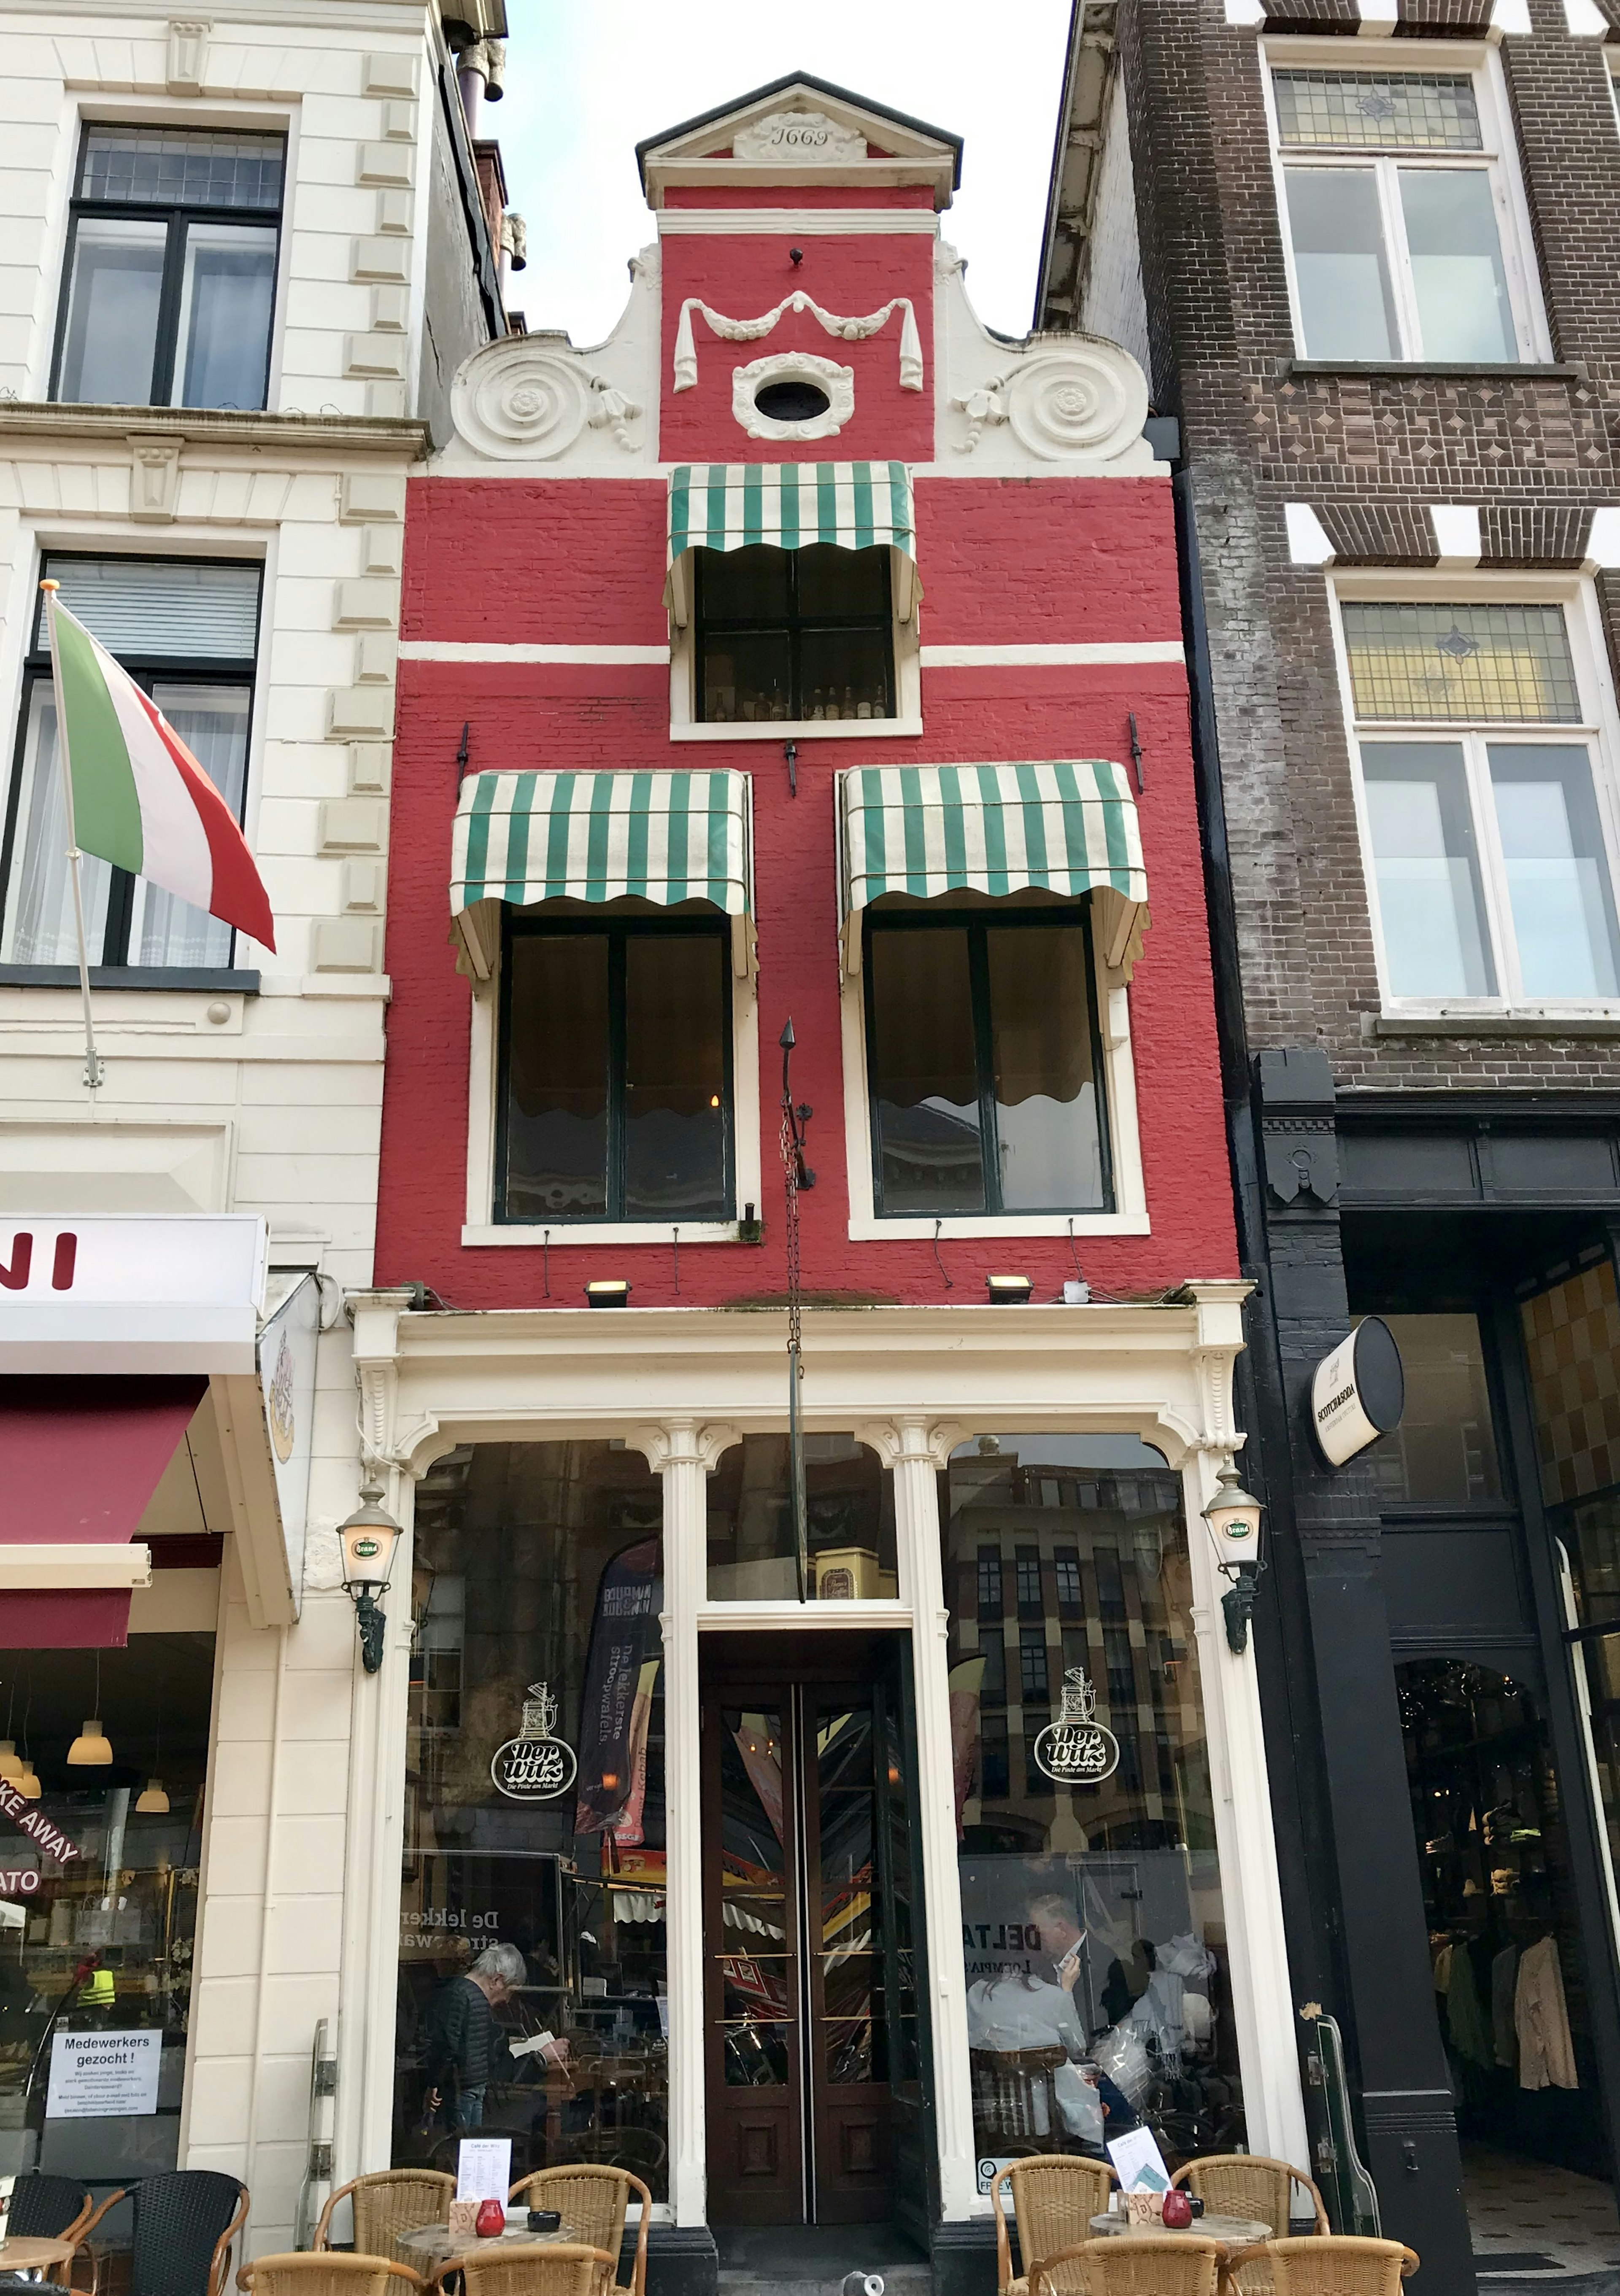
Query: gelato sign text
point(536, 1766)
point(1076, 1749)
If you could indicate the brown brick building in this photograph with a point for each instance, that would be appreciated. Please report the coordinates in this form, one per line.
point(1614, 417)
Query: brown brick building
point(1369, 253)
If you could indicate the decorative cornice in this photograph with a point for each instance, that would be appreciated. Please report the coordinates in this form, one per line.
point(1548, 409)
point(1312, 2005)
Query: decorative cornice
point(363, 434)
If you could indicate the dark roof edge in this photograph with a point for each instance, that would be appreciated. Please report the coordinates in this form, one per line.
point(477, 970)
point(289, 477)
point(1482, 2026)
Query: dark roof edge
point(802, 80)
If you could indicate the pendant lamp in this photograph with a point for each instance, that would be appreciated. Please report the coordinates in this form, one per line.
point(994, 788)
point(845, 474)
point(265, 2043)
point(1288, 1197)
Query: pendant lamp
point(154, 1800)
point(11, 1769)
point(27, 1784)
point(92, 1749)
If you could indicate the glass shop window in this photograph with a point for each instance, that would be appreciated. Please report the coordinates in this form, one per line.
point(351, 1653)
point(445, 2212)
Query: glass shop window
point(100, 1844)
point(169, 288)
point(1093, 1930)
point(532, 1972)
point(1393, 207)
point(800, 635)
point(1490, 869)
point(187, 632)
point(615, 1095)
point(985, 1066)
point(1443, 1453)
point(849, 1509)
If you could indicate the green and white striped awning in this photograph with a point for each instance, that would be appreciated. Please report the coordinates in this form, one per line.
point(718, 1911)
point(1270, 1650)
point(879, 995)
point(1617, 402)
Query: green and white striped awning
point(525, 837)
point(734, 505)
point(1068, 825)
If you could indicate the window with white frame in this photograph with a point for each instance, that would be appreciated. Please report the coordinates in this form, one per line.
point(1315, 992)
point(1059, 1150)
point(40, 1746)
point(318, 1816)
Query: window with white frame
point(169, 290)
point(1488, 858)
point(186, 631)
point(1401, 234)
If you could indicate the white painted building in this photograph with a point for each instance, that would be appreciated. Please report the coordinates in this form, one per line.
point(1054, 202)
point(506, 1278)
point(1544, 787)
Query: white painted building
point(240, 258)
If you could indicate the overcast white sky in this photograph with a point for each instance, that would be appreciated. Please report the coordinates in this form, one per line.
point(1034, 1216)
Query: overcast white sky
point(586, 83)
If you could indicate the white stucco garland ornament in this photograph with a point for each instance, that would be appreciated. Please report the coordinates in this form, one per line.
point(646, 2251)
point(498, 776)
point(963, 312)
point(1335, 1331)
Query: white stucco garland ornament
point(536, 1765)
point(753, 331)
point(837, 382)
point(1076, 1749)
point(520, 399)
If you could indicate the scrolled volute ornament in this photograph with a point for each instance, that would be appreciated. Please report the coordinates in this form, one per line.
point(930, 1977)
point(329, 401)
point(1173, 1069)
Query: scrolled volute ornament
point(1086, 399)
point(520, 401)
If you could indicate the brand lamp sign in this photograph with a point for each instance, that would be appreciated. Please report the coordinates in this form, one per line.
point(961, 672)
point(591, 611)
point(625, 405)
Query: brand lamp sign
point(1357, 1392)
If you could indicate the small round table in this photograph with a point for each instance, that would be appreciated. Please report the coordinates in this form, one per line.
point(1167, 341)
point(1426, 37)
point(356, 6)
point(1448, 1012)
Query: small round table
point(33, 2256)
point(1231, 2232)
point(434, 2245)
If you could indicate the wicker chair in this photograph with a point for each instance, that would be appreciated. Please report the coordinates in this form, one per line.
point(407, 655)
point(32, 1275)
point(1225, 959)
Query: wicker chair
point(1130, 2264)
point(325, 2273)
point(1334, 2264)
point(185, 2222)
point(561, 2267)
point(1250, 2185)
point(387, 2203)
point(593, 2203)
point(1055, 2197)
point(51, 2208)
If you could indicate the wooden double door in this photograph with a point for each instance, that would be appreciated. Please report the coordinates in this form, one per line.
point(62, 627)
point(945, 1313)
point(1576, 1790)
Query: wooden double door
point(811, 1934)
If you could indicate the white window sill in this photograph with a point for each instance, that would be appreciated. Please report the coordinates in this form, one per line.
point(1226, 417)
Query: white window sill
point(1493, 1020)
point(814, 729)
point(864, 1229)
point(615, 1232)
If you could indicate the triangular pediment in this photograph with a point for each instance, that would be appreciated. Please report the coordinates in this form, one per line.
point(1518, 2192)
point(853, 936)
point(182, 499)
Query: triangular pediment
point(801, 129)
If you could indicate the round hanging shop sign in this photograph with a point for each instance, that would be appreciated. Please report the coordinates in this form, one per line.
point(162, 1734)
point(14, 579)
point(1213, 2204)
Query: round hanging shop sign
point(1357, 1392)
point(536, 1766)
point(1076, 1749)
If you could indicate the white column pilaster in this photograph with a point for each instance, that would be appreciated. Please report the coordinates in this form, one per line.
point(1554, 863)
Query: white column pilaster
point(683, 1453)
point(915, 1451)
point(1251, 1893)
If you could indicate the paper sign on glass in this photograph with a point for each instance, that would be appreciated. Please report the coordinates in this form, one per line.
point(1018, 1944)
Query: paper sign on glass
point(1139, 2163)
point(483, 2169)
point(103, 2076)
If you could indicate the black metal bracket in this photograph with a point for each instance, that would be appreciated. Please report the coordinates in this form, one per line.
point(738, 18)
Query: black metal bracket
point(798, 1118)
point(461, 754)
point(1136, 753)
point(1239, 1602)
point(790, 753)
point(369, 1617)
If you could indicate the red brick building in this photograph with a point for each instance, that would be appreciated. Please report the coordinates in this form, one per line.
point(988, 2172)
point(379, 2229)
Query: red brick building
point(807, 652)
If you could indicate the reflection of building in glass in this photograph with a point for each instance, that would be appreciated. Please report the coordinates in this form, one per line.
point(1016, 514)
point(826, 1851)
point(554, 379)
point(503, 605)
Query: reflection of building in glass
point(539, 1563)
point(1092, 1922)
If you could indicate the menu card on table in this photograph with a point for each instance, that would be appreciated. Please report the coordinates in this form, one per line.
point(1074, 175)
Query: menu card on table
point(483, 2169)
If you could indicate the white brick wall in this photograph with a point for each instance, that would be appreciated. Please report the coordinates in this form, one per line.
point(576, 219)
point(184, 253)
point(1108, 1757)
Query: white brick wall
point(276, 1107)
point(1112, 303)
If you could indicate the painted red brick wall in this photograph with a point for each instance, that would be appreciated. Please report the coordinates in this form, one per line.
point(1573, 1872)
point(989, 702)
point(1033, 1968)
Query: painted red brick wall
point(567, 562)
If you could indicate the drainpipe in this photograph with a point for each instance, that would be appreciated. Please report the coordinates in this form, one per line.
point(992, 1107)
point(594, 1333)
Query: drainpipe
point(480, 71)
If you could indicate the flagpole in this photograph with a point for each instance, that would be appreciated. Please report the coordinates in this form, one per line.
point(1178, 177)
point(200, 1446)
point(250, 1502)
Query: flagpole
point(95, 1070)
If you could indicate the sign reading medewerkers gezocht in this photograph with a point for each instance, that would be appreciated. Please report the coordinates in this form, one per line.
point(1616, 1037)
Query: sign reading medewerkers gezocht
point(96, 2076)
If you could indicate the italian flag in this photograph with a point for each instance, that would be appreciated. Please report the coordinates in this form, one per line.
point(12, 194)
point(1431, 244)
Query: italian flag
point(140, 799)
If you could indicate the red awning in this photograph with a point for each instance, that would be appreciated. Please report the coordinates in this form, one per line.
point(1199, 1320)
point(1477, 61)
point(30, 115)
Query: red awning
point(79, 1460)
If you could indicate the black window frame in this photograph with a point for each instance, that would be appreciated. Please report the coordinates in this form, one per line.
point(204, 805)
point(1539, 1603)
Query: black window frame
point(178, 217)
point(792, 625)
point(617, 929)
point(978, 923)
point(147, 670)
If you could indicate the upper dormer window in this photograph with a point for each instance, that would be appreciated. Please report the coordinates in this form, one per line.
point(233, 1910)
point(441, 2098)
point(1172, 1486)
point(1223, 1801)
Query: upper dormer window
point(800, 635)
point(169, 285)
point(1402, 240)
